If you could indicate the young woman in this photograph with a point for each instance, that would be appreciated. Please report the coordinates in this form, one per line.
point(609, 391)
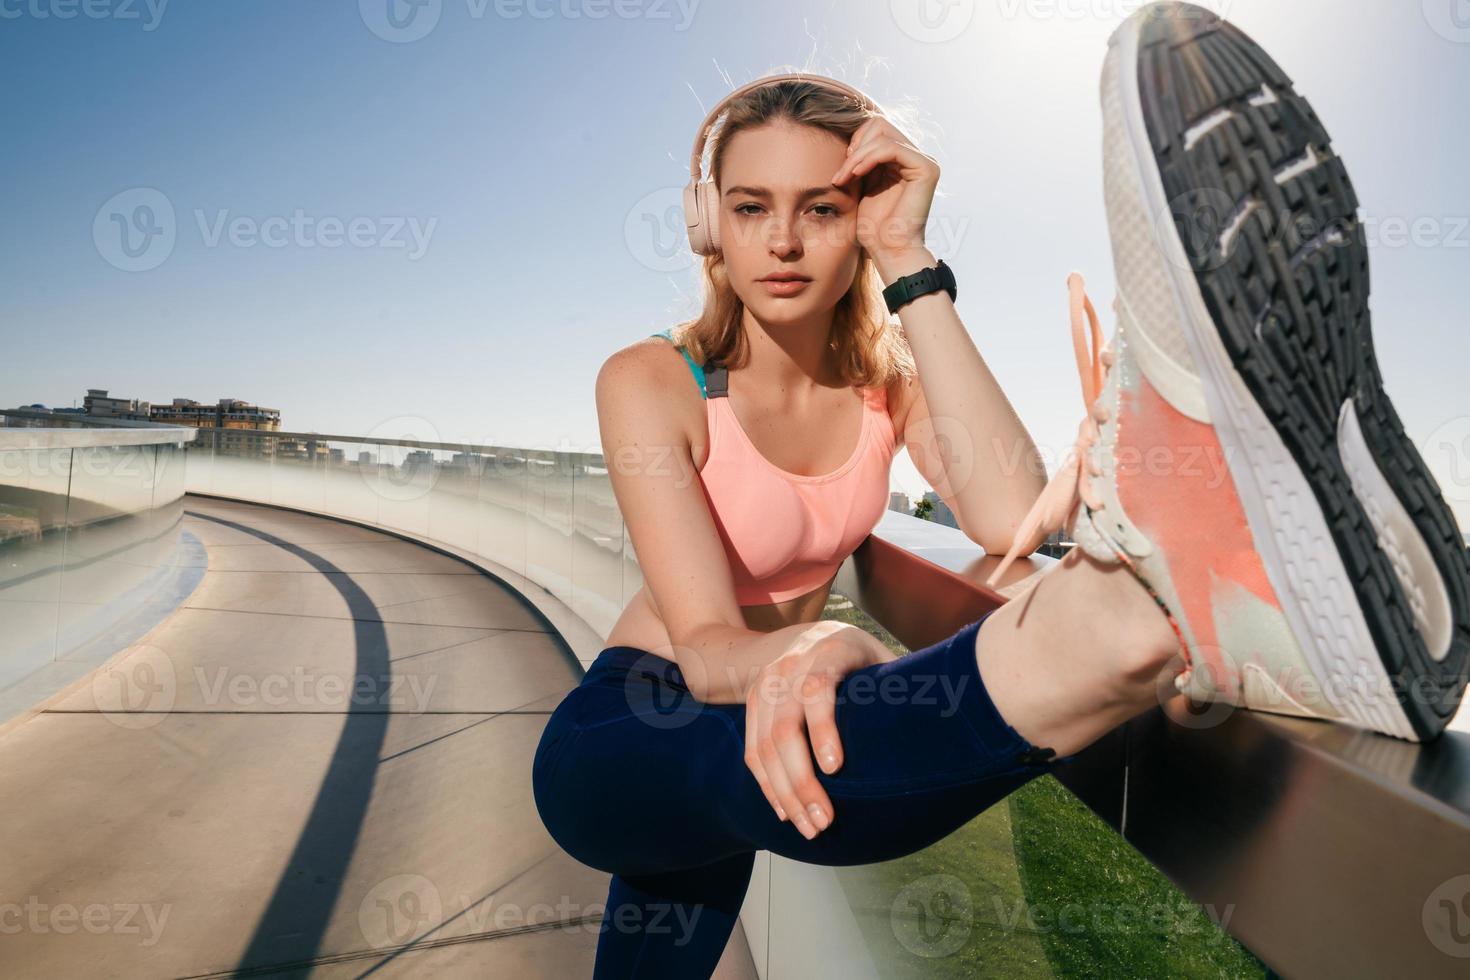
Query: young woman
point(751, 456)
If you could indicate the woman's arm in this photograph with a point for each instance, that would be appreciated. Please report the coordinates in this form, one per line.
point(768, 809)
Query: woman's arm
point(963, 435)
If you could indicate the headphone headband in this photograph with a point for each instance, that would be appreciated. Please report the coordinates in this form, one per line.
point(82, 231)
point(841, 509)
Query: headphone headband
point(709, 120)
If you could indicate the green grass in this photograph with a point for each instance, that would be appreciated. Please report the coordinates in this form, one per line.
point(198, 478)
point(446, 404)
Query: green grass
point(1035, 886)
point(1104, 911)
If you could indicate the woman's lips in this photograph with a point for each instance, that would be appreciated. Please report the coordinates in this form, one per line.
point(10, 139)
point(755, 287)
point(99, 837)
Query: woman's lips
point(785, 287)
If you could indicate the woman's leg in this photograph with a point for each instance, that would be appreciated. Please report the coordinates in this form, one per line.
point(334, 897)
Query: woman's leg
point(636, 777)
point(1081, 652)
point(674, 924)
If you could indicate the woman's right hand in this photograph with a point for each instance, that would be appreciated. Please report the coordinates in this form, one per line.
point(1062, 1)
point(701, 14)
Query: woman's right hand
point(790, 711)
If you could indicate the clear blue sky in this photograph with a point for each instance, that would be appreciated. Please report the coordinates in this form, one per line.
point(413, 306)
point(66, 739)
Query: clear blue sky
point(537, 146)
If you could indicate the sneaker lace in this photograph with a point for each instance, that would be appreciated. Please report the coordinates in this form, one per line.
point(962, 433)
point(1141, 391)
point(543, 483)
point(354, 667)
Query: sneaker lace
point(1072, 482)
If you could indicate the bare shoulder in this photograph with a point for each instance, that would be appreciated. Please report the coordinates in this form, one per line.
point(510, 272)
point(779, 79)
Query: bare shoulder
point(651, 363)
point(650, 376)
point(641, 357)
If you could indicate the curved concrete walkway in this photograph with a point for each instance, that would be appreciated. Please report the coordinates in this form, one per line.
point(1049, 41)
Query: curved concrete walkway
point(319, 765)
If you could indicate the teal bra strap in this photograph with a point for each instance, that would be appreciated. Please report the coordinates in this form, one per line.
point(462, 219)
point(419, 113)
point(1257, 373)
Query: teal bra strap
point(698, 372)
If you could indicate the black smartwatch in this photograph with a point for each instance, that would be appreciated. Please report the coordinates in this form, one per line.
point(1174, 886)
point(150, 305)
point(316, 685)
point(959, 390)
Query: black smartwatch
point(907, 288)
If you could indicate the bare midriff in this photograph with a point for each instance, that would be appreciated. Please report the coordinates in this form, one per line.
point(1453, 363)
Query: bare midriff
point(641, 626)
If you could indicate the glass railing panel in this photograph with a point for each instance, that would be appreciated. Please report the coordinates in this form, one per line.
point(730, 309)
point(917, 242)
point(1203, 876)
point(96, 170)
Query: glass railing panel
point(549, 520)
point(33, 493)
point(632, 573)
point(406, 477)
point(502, 509)
point(110, 564)
point(298, 474)
point(455, 499)
point(350, 481)
point(169, 474)
point(199, 460)
point(597, 547)
point(242, 463)
point(166, 509)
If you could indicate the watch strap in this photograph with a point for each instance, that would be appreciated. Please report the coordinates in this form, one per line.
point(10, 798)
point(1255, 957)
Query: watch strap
point(905, 289)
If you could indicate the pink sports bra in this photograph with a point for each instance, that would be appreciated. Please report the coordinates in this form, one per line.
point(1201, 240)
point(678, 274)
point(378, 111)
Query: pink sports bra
point(786, 533)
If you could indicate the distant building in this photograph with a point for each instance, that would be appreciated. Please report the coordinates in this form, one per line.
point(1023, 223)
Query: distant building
point(235, 414)
point(227, 413)
point(899, 501)
point(1056, 544)
point(302, 450)
point(186, 411)
point(471, 464)
point(941, 514)
point(37, 411)
point(99, 405)
point(230, 414)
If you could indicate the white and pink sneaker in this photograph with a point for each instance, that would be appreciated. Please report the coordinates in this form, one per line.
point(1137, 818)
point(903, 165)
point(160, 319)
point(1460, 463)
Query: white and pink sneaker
point(1240, 454)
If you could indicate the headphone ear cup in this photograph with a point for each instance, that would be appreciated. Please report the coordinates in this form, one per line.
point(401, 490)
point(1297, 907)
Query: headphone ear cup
point(709, 206)
point(694, 221)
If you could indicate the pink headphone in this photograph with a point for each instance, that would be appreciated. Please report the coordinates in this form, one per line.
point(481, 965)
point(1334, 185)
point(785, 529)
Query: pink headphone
point(701, 210)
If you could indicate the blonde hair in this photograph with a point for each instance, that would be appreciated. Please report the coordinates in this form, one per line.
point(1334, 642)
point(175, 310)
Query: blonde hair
point(871, 349)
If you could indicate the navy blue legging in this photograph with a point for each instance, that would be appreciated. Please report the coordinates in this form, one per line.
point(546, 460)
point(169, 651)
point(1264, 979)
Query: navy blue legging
point(635, 777)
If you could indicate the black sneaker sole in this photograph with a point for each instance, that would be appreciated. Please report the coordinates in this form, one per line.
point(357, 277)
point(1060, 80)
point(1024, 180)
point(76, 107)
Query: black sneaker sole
point(1281, 260)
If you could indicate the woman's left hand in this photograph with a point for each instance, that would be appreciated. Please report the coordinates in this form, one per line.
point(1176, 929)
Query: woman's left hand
point(896, 191)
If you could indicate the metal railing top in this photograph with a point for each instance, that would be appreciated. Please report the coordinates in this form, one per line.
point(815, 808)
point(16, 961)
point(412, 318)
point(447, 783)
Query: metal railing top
point(64, 438)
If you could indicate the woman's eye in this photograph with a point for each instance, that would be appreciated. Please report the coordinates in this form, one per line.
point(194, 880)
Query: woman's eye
point(824, 210)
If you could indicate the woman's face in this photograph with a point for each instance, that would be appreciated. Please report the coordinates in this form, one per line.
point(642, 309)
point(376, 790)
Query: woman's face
point(781, 215)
